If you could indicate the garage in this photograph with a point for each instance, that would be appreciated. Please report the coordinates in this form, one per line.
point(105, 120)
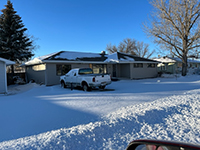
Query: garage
point(3, 75)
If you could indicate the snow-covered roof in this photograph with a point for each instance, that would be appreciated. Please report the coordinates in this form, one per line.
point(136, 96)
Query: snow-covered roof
point(119, 57)
point(165, 60)
point(116, 58)
point(38, 60)
point(112, 58)
point(8, 62)
point(172, 60)
point(69, 55)
point(190, 60)
point(86, 57)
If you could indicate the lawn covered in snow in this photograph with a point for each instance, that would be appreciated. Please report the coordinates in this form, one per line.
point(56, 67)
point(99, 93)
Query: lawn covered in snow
point(40, 117)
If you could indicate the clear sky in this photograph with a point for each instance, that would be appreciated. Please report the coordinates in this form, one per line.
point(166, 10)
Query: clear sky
point(82, 25)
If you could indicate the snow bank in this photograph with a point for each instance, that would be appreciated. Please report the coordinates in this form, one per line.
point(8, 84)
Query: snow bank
point(170, 118)
point(15, 89)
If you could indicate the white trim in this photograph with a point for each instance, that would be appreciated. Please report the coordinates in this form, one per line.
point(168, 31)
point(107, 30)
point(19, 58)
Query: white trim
point(7, 62)
point(6, 89)
point(135, 62)
point(45, 75)
point(97, 62)
point(75, 62)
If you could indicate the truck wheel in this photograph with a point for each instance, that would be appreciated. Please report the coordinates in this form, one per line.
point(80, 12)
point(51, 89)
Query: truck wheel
point(63, 84)
point(86, 87)
point(102, 87)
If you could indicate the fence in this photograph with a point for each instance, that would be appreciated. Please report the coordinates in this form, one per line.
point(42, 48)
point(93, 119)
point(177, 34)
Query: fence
point(11, 78)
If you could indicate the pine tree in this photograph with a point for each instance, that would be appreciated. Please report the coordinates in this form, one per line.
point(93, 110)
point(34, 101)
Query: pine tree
point(15, 45)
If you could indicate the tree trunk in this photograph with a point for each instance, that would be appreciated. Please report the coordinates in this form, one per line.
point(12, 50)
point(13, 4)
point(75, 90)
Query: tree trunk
point(12, 74)
point(184, 65)
point(12, 69)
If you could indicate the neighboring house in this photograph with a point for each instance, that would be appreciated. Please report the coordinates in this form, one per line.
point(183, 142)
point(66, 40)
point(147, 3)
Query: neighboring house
point(48, 69)
point(3, 75)
point(174, 65)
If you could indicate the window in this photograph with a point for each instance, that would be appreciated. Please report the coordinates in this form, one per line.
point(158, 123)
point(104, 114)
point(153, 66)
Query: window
point(39, 67)
point(99, 69)
point(62, 69)
point(151, 65)
point(85, 71)
point(138, 65)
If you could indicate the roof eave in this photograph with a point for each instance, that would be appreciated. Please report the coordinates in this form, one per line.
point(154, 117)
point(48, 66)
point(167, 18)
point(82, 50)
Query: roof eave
point(65, 61)
point(8, 62)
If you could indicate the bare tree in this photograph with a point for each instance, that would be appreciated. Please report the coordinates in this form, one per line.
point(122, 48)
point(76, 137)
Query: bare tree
point(175, 27)
point(142, 50)
point(126, 46)
point(131, 46)
point(111, 48)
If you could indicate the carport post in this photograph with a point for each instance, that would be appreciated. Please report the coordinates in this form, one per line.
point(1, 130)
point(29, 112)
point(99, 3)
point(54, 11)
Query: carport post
point(131, 70)
point(6, 89)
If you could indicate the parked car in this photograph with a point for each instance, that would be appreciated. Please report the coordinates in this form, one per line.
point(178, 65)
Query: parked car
point(84, 77)
point(144, 144)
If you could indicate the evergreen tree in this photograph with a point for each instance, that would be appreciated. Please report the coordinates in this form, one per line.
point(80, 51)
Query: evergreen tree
point(15, 45)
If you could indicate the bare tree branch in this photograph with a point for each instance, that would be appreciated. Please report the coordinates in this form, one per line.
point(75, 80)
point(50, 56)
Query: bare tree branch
point(175, 25)
point(130, 46)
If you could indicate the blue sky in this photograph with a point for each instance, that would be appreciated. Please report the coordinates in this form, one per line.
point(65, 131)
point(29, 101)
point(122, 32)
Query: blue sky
point(82, 25)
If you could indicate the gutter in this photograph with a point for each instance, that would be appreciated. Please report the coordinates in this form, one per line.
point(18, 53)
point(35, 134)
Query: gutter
point(88, 62)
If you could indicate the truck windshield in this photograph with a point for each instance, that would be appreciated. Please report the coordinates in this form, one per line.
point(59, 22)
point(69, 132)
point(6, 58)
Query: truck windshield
point(85, 71)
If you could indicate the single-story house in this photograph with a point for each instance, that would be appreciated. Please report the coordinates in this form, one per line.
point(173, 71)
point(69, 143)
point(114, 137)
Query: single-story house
point(48, 69)
point(174, 65)
point(3, 75)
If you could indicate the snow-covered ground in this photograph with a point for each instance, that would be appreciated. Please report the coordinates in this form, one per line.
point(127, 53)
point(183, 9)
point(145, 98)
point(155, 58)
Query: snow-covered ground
point(40, 117)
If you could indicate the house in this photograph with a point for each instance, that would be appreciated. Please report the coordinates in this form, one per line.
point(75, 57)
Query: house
point(48, 69)
point(3, 75)
point(174, 65)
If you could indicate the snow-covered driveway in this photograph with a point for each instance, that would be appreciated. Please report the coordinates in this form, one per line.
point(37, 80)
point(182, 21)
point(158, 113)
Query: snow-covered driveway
point(42, 109)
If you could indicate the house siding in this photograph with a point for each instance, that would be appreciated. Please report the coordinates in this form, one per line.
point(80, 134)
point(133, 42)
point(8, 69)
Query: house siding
point(80, 65)
point(50, 75)
point(37, 76)
point(145, 72)
point(51, 78)
point(3, 79)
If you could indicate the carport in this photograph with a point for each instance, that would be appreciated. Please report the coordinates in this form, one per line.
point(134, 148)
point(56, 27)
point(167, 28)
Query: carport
point(124, 70)
point(3, 75)
point(128, 66)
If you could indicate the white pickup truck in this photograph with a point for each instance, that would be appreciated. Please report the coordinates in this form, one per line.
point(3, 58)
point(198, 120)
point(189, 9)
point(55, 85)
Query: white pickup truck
point(84, 77)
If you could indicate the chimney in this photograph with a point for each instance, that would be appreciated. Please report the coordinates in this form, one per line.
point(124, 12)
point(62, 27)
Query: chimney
point(103, 52)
